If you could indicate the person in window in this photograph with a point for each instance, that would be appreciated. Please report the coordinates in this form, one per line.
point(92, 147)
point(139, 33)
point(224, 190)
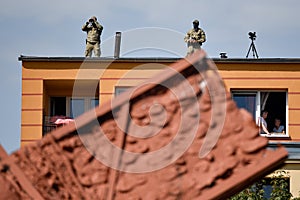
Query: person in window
point(278, 128)
point(263, 126)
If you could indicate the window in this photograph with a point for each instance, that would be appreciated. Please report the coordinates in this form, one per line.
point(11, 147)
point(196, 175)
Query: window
point(246, 100)
point(67, 107)
point(120, 89)
point(58, 106)
point(275, 102)
point(78, 105)
point(71, 106)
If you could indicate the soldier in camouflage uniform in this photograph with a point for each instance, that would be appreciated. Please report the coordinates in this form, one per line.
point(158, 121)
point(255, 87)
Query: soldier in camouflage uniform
point(94, 30)
point(194, 38)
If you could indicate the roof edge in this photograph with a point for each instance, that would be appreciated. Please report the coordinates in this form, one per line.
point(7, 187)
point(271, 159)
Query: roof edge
point(151, 59)
point(96, 59)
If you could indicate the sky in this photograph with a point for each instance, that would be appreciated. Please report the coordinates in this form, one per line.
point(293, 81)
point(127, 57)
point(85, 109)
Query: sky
point(149, 29)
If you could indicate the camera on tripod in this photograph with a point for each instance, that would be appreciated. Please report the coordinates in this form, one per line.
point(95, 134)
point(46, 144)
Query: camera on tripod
point(252, 35)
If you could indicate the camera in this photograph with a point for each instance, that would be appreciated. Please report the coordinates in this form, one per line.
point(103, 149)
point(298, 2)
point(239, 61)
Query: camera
point(91, 20)
point(252, 35)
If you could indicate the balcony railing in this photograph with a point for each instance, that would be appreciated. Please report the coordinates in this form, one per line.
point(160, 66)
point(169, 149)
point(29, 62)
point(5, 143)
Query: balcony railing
point(53, 122)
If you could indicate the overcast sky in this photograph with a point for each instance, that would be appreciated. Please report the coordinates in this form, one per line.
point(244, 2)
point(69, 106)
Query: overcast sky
point(53, 28)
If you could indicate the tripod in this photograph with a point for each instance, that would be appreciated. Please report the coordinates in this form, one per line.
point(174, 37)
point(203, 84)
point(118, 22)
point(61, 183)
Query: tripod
point(252, 47)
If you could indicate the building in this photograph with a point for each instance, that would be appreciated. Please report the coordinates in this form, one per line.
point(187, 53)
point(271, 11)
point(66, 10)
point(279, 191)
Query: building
point(52, 87)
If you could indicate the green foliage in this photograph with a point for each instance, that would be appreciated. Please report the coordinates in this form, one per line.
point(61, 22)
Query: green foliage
point(280, 189)
point(280, 186)
point(255, 192)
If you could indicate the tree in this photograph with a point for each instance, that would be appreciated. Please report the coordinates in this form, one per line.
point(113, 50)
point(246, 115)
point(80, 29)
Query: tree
point(254, 192)
point(280, 186)
point(280, 189)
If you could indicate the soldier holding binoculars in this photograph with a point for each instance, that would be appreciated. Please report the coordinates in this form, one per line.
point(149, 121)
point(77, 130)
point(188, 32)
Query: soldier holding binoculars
point(94, 30)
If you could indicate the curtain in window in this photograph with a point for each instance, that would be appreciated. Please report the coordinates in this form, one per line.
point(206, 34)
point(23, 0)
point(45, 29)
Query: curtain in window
point(264, 98)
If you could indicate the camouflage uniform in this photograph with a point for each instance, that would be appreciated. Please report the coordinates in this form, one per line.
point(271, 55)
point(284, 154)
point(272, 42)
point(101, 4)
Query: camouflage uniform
point(93, 41)
point(194, 38)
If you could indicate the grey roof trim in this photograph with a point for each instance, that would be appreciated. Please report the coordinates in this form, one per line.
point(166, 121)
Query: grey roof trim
point(95, 59)
point(293, 149)
point(259, 60)
point(154, 59)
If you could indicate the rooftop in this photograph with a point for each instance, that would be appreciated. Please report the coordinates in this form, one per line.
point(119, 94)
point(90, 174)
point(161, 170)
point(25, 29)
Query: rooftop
point(153, 59)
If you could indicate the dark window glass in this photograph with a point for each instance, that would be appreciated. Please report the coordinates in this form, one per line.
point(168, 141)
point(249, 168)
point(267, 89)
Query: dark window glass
point(246, 101)
point(275, 104)
point(77, 107)
point(57, 106)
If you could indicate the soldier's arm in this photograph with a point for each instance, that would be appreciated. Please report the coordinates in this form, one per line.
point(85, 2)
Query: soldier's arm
point(98, 26)
point(203, 37)
point(84, 27)
point(187, 36)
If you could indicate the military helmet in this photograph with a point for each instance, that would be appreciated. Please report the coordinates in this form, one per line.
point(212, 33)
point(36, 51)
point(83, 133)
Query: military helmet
point(196, 22)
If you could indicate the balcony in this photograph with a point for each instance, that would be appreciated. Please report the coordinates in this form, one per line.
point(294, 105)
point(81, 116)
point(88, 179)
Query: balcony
point(53, 122)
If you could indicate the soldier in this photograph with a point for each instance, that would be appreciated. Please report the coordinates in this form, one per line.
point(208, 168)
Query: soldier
point(194, 38)
point(94, 30)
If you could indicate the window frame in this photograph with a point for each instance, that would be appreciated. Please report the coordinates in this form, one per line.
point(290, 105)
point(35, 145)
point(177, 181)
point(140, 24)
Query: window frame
point(87, 104)
point(120, 89)
point(259, 105)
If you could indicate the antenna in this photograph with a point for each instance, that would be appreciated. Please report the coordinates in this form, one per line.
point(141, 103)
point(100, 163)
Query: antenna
point(252, 37)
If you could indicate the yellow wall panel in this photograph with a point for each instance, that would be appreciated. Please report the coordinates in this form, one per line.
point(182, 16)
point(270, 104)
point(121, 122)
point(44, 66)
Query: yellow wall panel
point(63, 74)
point(257, 79)
point(129, 83)
point(294, 117)
point(257, 84)
point(108, 86)
point(294, 100)
point(105, 98)
point(138, 72)
point(32, 117)
point(32, 101)
point(294, 132)
point(24, 143)
point(32, 86)
point(253, 74)
point(31, 132)
point(49, 74)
